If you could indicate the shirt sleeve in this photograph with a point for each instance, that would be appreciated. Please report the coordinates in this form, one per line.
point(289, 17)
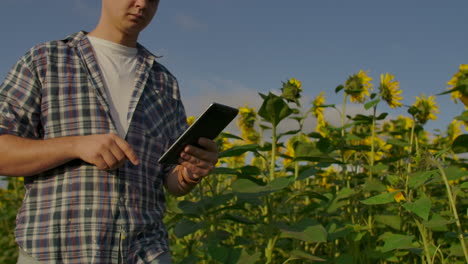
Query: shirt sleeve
point(20, 102)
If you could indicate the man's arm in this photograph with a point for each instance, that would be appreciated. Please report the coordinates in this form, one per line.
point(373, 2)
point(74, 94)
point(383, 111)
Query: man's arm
point(195, 163)
point(26, 157)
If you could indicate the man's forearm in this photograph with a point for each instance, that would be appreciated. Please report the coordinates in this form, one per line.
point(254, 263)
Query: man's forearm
point(175, 183)
point(26, 157)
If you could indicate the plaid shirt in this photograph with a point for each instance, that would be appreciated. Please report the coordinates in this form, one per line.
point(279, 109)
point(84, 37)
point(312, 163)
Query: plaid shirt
point(76, 213)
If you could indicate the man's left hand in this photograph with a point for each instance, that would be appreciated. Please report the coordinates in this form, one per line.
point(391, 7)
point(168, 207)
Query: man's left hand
point(199, 162)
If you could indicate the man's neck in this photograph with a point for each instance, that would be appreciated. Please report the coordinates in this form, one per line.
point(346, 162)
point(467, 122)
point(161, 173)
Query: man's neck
point(114, 36)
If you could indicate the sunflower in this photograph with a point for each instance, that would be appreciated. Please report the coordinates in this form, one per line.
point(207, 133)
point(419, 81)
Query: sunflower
point(460, 80)
point(290, 147)
point(317, 109)
point(327, 176)
point(358, 86)
point(190, 120)
point(292, 90)
point(246, 123)
point(389, 90)
point(454, 130)
point(424, 109)
point(398, 196)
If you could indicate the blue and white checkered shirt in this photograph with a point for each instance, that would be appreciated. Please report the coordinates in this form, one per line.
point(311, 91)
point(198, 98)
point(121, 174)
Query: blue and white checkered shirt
point(76, 213)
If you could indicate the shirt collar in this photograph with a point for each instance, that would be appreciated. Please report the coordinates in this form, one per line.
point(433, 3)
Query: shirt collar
point(76, 39)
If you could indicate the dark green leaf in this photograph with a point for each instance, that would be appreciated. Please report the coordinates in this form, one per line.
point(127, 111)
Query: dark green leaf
point(393, 221)
point(306, 230)
point(421, 178)
point(397, 241)
point(307, 173)
point(274, 109)
point(460, 144)
point(229, 135)
point(382, 198)
point(238, 219)
point(464, 185)
point(397, 142)
point(297, 254)
point(339, 88)
point(238, 150)
point(371, 104)
point(374, 185)
point(437, 221)
point(249, 259)
point(224, 170)
point(186, 227)
point(454, 173)
point(420, 207)
point(382, 116)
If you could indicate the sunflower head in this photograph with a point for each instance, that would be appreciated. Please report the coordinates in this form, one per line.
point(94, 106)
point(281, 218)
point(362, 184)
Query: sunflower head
point(454, 130)
point(424, 109)
point(358, 86)
point(190, 120)
point(317, 105)
point(292, 90)
point(246, 123)
point(459, 82)
point(389, 90)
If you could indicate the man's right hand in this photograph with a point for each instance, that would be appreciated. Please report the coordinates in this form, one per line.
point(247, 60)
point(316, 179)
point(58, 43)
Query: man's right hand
point(106, 151)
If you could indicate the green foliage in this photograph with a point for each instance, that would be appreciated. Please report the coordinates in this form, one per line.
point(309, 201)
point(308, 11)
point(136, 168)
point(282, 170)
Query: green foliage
point(370, 190)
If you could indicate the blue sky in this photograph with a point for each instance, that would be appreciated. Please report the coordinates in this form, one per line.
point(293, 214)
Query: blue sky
point(229, 50)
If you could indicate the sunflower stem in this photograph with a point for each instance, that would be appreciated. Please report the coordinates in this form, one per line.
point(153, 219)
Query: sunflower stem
point(454, 210)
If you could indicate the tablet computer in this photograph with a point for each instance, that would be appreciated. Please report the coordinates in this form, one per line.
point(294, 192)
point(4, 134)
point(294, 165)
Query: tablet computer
point(209, 125)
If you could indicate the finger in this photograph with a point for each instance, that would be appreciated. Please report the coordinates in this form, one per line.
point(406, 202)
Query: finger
point(202, 154)
point(195, 170)
point(101, 163)
point(109, 159)
point(208, 144)
point(196, 161)
point(128, 151)
point(118, 153)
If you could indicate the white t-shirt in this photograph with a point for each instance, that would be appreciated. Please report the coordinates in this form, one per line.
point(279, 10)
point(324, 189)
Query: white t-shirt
point(118, 65)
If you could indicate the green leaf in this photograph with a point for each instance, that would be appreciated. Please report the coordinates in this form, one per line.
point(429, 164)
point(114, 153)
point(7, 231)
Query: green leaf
point(245, 258)
point(421, 178)
point(339, 88)
point(224, 170)
point(238, 219)
point(307, 173)
point(464, 185)
point(307, 230)
point(274, 109)
point(371, 104)
point(382, 198)
point(437, 222)
point(297, 254)
point(224, 254)
point(454, 173)
point(229, 135)
point(398, 143)
point(460, 144)
point(382, 116)
point(420, 207)
point(393, 221)
point(397, 241)
point(374, 185)
point(307, 151)
point(345, 193)
point(247, 186)
point(238, 150)
point(186, 227)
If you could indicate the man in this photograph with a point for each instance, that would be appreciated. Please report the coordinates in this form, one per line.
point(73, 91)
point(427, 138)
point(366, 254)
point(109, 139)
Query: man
point(85, 120)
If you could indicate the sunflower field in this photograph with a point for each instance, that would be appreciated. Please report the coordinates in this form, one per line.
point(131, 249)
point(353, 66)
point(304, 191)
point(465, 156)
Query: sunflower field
point(374, 189)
